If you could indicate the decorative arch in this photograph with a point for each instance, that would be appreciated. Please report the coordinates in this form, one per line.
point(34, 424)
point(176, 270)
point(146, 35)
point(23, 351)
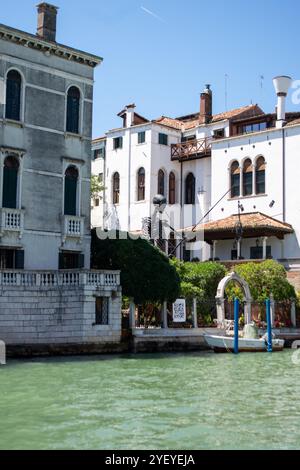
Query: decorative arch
point(73, 110)
point(220, 297)
point(14, 82)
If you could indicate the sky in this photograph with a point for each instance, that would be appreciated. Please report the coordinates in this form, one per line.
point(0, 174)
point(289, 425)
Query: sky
point(159, 54)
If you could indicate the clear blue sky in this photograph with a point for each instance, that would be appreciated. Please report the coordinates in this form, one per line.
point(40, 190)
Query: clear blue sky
point(161, 61)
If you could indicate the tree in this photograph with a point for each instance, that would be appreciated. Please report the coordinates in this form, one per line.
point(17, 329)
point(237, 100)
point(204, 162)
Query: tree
point(146, 273)
point(96, 186)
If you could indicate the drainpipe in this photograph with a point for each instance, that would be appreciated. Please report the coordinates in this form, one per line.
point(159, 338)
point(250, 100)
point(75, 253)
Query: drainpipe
point(283, 177)
point(181, 207)
point(129, 182)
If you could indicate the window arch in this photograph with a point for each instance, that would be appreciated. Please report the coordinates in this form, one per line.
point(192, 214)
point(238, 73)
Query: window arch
point(116, 188)
point(172, 188)
point(235, 179)
point(13, 95)
point(10, 182)
point(190, 188)
point(71, 185)
point(161, 183)
point(247, 178)
point(73, 110)
point(141, 184)
point(260, 176)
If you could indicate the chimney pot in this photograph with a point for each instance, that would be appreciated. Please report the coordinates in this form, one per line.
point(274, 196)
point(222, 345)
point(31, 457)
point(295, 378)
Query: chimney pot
point(281, 85)
point(46, 28)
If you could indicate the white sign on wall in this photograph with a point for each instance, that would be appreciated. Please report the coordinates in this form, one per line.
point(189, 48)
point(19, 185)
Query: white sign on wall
point(179, 311)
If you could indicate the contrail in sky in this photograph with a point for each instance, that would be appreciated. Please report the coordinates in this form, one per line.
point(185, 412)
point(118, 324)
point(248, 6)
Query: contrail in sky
point(149, 12)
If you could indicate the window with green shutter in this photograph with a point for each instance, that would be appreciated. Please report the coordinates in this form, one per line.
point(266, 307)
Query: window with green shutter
point(141, 137)
point(163, 139)
point(10, 183)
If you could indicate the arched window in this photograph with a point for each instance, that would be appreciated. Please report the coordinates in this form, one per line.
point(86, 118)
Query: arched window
point(73, 110)
point(71, 183)
point(247, 178)
point(10, 183)
point(13, 95)
point(116, 188)
point(260, 176)
point(141, 184)
point(172, 188)
point(235, 179)
point(190, 188)
point(161, 183)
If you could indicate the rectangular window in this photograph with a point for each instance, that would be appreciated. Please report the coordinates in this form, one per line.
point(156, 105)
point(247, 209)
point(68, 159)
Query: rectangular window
point(141, 137)
point(11, 259)
point(260, 182)
point(102, 311)
point(71, 260)
point(256, 252)
point(235, 185)
point(219, 133)
point(248, 183)
point(163, 139)
point(118, 143)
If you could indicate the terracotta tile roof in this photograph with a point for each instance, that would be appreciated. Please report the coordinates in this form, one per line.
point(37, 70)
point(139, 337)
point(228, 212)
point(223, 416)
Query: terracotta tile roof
point(189, 122)
point(293, 123)
point(250, 221)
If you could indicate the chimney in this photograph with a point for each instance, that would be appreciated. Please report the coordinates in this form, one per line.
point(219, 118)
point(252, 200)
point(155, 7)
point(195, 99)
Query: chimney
point(281, 85)
point(206, 106)
point(130, 115)
point(47, 21)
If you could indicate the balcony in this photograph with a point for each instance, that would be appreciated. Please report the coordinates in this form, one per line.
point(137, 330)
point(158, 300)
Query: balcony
point(73, 227)
point(191, 149)
point(12, 220)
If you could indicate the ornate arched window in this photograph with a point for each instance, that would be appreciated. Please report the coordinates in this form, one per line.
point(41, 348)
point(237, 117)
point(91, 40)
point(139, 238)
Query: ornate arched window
point(190, 189)
point(71, 184)
point(73, 110)
point(10, 182)
point(161, 183)
point(247, 178)
point(13, 95)
point(116, 188)
point(260, 176)
point(141, 184)
point(172, 188)
point(235, 179)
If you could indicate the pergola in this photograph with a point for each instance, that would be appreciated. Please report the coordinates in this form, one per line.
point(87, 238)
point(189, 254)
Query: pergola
point(241, 226)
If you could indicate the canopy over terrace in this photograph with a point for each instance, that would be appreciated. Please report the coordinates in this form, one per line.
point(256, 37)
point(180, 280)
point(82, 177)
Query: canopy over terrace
point(242, 226)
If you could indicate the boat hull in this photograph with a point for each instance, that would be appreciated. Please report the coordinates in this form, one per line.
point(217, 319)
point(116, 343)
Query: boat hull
point(223, 344)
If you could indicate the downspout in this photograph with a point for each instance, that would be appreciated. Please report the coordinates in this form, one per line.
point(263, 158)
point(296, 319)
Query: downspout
point(181, 206)
point(283, 177)
point(129, 183)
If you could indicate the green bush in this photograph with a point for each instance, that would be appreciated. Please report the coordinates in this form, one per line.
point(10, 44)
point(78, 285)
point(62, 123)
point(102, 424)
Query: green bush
point(263, 279)
point(146, 273)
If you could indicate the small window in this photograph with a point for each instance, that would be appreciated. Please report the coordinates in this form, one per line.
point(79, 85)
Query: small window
point(235, 178)
point(219, 133)
point(71, 260)
point(172, 188)
point(190, 189)
point(102, 311)
point(141, 184)
point(73, 110)
point(118, 143)
point(97, 202)
point(163, 139)
point(260, 174)
point(116, 188)
point(13, 95)
point(141, 137)
point(161, 183)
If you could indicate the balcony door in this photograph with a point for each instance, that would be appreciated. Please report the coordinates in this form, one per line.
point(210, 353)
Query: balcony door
point(10, 183)
point(71, 184)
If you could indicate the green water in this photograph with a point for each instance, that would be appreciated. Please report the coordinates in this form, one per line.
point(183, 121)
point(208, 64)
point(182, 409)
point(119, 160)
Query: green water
point(182, 402)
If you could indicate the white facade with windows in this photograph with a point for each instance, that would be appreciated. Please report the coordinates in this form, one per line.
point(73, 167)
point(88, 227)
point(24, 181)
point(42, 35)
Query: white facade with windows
point(240, 166)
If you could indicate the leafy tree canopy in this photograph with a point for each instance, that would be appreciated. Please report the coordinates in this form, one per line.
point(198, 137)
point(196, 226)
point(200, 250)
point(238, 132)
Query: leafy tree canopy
point(146, 273)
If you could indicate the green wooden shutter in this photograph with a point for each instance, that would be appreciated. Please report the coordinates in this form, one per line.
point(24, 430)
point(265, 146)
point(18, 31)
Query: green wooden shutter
point(70, 196)
point(19, 259)
point(10, 181)
point(81, 261)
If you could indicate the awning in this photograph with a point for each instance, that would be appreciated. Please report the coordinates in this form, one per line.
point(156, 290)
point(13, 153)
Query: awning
point(254, 225)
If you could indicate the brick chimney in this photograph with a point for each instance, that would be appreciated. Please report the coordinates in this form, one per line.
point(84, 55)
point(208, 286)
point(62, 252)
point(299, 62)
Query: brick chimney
point(47, 21)
point(206, 106)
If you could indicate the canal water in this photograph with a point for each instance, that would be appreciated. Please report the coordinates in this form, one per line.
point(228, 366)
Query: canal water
point(181, 401)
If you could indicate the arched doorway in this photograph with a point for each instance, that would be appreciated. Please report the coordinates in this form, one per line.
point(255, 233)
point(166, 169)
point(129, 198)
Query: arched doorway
point(220, 298)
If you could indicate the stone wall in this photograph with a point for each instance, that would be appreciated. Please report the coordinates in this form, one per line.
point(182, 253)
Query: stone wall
point(55, 316)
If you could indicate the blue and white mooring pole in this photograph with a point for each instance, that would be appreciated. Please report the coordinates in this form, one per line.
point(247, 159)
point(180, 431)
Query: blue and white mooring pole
point(269, 325)
point(236, 325)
